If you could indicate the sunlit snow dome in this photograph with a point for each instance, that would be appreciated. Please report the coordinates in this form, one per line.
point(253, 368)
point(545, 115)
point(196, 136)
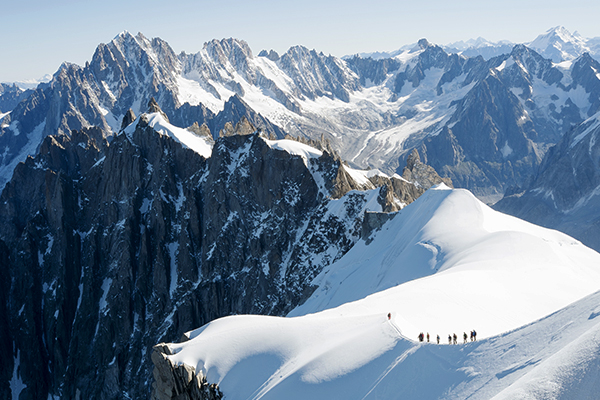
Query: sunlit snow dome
point(446, 264)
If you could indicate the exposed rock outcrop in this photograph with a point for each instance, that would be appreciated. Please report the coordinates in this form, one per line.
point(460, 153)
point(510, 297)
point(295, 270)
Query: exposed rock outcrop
point(128, 118)
point(179, 382)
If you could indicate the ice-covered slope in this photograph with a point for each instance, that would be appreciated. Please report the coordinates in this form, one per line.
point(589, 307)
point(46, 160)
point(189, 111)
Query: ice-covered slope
point(332, 355)
point(445, 264)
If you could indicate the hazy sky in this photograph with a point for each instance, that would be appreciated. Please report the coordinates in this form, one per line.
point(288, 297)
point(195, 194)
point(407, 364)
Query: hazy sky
point(38, 35)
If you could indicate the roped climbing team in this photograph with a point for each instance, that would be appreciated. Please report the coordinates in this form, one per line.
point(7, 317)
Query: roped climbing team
point(452, 339)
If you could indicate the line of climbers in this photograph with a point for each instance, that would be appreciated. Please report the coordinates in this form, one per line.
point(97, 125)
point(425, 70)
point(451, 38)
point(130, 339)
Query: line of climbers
point(452, 339)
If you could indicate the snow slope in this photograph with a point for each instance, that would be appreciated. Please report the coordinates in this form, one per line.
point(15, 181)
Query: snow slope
point(460, 265)
point(189, 139)
point(446, 263)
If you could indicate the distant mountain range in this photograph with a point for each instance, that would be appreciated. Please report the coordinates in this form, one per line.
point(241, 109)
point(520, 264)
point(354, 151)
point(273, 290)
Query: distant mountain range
point(485, 124)
point(147, 193)
point(557, 44)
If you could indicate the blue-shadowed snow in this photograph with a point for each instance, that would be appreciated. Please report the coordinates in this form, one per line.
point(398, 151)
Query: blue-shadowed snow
point(189, 139)
point(173, 254)
point(2, 115)
point(295, 148)
point(30, 149)
point(592, 124)
point(16, 382)
point(447, 263)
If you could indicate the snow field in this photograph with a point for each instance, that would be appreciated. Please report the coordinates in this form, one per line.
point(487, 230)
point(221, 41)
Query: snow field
point(183, 136)
point(448, 263)
point(445, 264)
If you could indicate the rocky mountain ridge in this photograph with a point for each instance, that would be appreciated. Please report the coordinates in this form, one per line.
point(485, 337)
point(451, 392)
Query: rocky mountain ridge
point(110, 247)
point(557, 44)
point(563, 194)
point(373, 112)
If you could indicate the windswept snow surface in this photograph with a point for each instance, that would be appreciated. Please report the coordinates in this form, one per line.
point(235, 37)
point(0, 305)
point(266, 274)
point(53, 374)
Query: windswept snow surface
point(183, 136)
point(362, 176)
point(449, 263)
point(295, 148)
point(445, 264)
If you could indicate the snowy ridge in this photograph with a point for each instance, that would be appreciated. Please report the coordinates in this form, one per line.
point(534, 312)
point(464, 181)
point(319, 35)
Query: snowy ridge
point(591, 125)
point(498, 274)
point(190, 140)
point(295, 148)
point(423, 241)
point(362, 176)
point(552, 356)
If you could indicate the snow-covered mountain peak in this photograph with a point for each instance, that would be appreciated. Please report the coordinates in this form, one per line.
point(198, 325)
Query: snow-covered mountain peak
point(471, 43)
point(559, 44)
point(424, 43)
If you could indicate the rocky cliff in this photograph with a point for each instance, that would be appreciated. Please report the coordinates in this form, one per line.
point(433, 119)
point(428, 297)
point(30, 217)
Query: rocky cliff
point(484, 124)
point(110, 247)
point(564, 193)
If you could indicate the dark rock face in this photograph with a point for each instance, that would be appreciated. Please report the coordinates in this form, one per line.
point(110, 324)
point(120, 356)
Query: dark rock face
point(128, 119)
point(109, 249)
point(372, 72)
point(490, 152)
point(421, 175)
point(271, 55)
point(563, 195)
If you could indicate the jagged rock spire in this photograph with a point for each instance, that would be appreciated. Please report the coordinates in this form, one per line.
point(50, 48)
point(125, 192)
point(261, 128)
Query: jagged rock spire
point(201, 130)
point(128, 118)
point(412, 159)
point(153, 107)
point(243, 127)
point(422, 175)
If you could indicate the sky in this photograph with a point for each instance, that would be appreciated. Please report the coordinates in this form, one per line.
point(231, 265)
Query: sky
point(37, 36)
